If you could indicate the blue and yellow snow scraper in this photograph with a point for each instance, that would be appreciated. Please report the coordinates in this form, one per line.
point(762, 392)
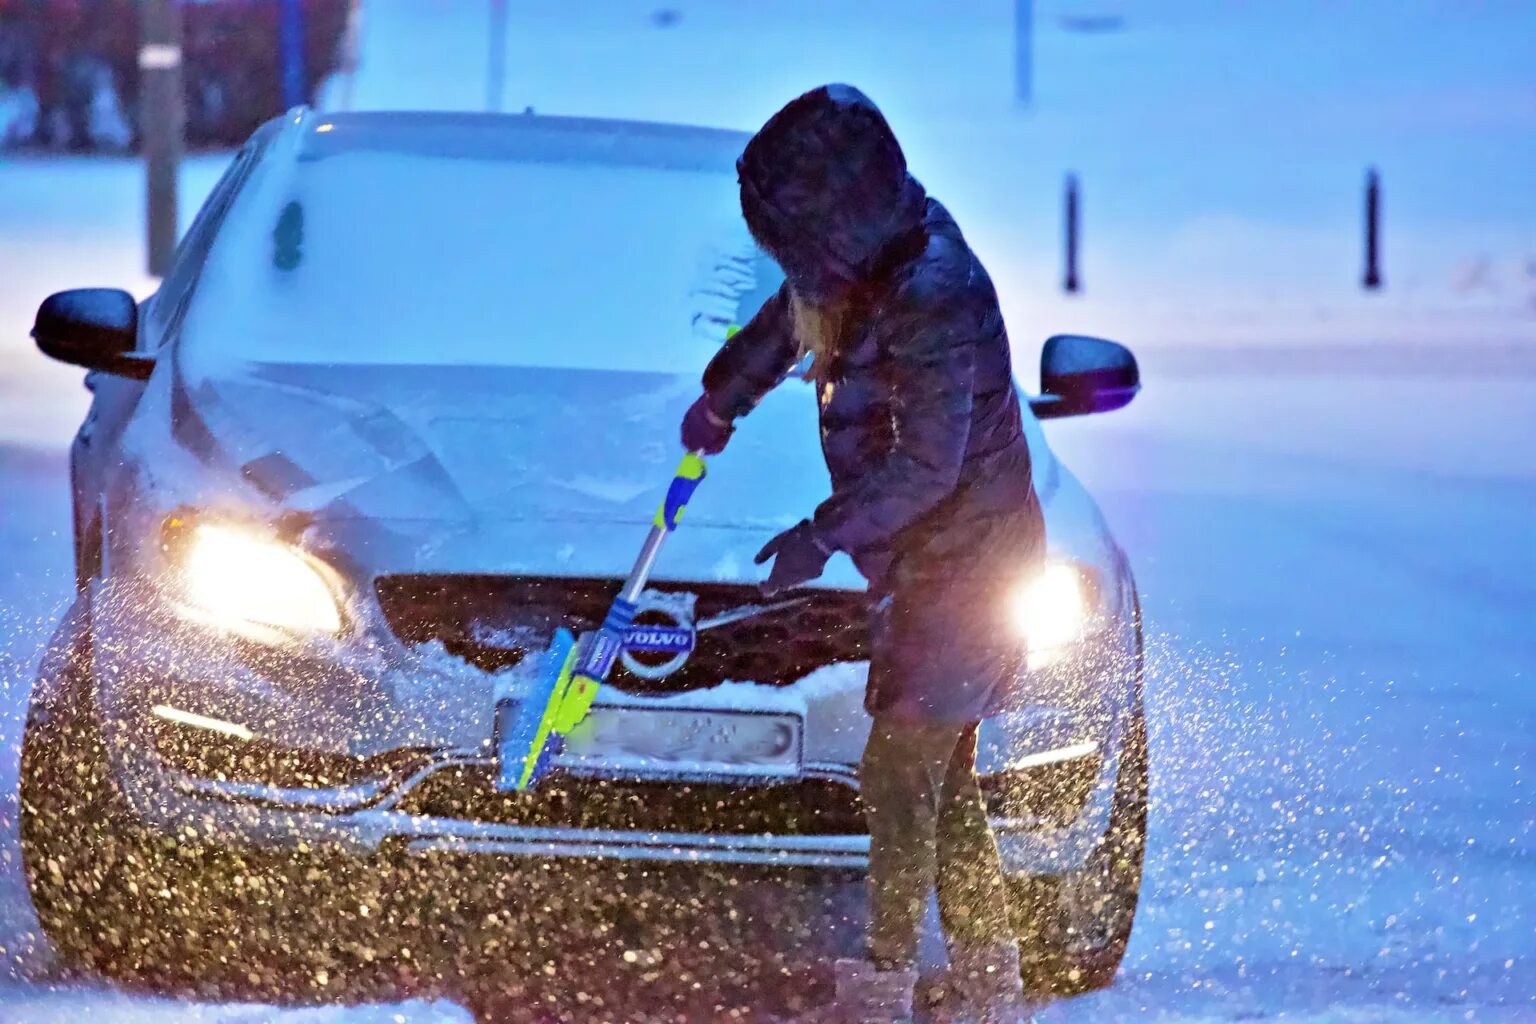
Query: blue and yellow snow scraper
point(531, 729)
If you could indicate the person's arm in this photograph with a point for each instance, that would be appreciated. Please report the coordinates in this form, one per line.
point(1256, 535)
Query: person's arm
point(932, 370)
point(753, 361)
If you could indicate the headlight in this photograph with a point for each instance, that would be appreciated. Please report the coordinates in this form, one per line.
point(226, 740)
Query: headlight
point(236, 579)
point(1053, 611)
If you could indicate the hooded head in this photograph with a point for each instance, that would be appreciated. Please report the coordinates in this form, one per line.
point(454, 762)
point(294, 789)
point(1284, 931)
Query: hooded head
point(825, 190)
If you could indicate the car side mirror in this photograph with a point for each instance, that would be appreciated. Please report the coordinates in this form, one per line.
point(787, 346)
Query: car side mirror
point(1080, 375)
point(95, 328)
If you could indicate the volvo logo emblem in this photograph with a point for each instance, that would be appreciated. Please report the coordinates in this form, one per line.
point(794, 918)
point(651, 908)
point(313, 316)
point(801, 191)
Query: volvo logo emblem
point(662, 636)
point(666, 628)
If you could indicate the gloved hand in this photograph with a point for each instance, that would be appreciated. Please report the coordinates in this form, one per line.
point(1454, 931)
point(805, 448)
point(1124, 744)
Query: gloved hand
point(798, 556)
point(704, 430)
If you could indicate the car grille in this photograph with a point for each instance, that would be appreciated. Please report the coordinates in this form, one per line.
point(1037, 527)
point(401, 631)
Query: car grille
point(493, 621)
point(1053, 795)
point(810, 807)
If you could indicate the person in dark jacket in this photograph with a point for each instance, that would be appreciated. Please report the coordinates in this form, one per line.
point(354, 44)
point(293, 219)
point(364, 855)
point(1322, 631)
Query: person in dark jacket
point(932, 498)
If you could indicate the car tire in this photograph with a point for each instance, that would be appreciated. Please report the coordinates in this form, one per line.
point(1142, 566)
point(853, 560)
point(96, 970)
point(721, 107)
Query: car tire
point(88, 865)
point(116, 897)
point(1060, 953)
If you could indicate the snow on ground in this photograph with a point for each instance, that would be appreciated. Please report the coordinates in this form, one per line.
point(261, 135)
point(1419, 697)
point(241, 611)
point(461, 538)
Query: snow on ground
point(1341, 588)
point(1334, 541)
point(71, 1007)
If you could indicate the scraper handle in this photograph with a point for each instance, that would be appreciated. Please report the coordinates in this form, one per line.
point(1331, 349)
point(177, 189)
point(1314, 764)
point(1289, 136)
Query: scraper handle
point(690, 473)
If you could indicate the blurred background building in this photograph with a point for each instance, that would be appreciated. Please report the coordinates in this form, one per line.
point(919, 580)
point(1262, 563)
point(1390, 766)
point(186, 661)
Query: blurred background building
point(69, 69)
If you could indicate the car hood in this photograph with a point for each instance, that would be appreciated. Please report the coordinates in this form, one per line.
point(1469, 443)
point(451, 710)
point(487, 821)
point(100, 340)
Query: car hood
point(475, 468)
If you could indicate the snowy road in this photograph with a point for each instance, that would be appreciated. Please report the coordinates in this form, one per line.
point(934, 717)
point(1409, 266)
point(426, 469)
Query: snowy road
point(1338, 573)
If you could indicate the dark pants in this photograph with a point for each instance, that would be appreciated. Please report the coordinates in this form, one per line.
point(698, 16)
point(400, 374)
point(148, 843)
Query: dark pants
point(927, 826)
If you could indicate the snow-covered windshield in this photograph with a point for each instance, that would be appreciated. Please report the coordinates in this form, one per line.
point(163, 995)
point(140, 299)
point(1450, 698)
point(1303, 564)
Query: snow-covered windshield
point(490, 243)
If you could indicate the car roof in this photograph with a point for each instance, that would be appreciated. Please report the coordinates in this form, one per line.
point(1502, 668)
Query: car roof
point(520, 137)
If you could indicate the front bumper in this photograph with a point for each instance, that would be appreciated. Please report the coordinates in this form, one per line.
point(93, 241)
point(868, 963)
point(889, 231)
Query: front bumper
point(387, 727)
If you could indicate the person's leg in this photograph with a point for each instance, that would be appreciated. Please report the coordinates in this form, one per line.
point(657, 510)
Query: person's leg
point(901, 782)
point(973, 897)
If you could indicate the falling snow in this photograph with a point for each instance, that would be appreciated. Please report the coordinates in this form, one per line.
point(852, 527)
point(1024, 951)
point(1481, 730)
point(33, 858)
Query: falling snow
point(1325, 497)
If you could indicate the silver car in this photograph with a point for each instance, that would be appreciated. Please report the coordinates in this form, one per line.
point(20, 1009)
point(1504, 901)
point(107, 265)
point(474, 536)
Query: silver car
point(403, 406)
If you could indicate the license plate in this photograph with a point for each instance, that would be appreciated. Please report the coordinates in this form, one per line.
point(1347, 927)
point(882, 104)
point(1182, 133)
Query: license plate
point(673, 742)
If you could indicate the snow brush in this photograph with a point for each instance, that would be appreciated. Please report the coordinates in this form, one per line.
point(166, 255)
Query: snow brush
point(531, 731)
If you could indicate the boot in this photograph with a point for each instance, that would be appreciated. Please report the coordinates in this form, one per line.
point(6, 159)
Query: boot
point(865, 995)
point(984, 986)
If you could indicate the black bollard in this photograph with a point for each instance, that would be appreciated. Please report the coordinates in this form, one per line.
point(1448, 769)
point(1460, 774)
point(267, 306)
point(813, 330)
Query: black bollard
point(1372, 279)
point(1071, 284)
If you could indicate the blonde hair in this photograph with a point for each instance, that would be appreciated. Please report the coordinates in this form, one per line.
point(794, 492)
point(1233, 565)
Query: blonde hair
point(818, 330)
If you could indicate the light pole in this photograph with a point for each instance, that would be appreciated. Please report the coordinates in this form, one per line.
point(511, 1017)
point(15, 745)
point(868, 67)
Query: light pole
point(162, 124)
point(496, 58)
point(290, 41)
point(1023, 50)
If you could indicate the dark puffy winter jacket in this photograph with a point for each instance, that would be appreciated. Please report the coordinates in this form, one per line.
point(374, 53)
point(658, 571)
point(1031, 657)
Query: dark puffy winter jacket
point(920, 420)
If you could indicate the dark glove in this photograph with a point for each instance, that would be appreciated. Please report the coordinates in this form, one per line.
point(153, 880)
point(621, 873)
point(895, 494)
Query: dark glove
point(798, 556)
point(704, 430)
